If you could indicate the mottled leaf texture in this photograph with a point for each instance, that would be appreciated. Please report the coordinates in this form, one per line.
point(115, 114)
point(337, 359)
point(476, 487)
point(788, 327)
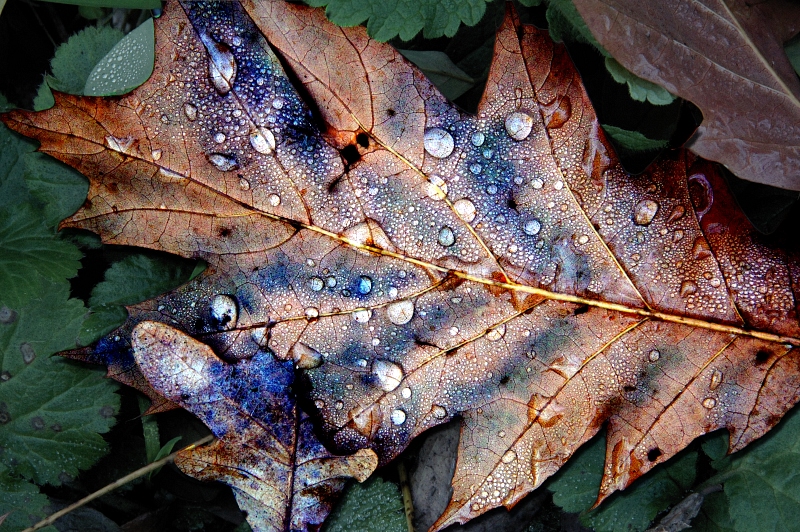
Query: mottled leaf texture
point(727, 57)
point(415, 263)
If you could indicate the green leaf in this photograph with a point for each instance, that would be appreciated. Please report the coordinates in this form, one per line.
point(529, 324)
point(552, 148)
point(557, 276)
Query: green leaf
point(126, 66)
point(640, 89)
point(633, 140)
point(20, 502)
point(44, 97)
point(374, 506)
point(451, 81)
point(123, 4)
point(575, 488)
point(404, 18)
point(5, 105)
point(152, 440)
point(565, 24)
point(76, 58)
point(163, 453)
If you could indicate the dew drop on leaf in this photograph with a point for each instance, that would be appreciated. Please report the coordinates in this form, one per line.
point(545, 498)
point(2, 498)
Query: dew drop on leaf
point(709, 402)
point(644, 212)
point(400, 312)
point(190, 111)
point(465, 209)
point(439, 412)
point(519, 125)
point(388, 374)
point(224, 311)
point(28, 353)
point(477, 138)
point(362, 315)
point(221, 64)
point(305, 356)
point(222, 162)
point(262, 140)
point(406, 393)
point(446, 237)
point(716, 379)
point(509, 457)
point(532, 227)
point(688, 288)
point(398, 416)
point(364, 285)
point(316, 284)
point(654, 355)
point(274, 200)
point(438, 142)
point(219, 138)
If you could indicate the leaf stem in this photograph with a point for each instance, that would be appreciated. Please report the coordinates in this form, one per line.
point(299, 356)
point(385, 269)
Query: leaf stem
point(116, 484)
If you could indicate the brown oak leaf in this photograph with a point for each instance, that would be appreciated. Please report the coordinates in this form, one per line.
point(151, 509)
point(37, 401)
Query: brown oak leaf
point(414, 262)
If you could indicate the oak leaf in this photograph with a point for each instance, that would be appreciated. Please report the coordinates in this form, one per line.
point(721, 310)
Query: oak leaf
point(725, 56)
point(416, 263)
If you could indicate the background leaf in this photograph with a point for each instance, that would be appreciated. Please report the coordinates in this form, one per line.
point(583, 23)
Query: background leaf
point(75, 59)
point(126, 66)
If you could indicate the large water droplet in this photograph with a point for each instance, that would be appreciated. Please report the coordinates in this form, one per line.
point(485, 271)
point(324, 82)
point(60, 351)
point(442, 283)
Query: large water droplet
point(364, 285)
point(388, 373)
point(465, 209)
point(222, 162)
point(190, 111)
point(221, 64)
point(477, 138)
point(644, 212)
point(475, 168)
point(654, 355)
point(121, 145)
point(312, 313)
point(532, 227)
point(224, 311)
point(439, 412)
point(219, 138)
point(262, 140)
point(398, 416)
point(406, 393)
point(305, 356)
point(700, 249)
point(676, 214)
point(709, 402)
point(519, 125)
point(316, 284)
point(496, 333)
point(274, 200)
point(438, 142)
point(446, 237)
point(688, 288)
point(509, 457)
point(400, 312)
point(362, 315)
point(156, 154)
point(716, 379)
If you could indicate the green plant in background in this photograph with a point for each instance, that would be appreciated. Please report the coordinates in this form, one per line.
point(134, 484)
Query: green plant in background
point(53, 412)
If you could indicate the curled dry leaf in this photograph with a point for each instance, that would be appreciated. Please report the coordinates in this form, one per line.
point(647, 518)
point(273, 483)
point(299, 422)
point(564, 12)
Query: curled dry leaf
point(727, 57)
point(416, 263)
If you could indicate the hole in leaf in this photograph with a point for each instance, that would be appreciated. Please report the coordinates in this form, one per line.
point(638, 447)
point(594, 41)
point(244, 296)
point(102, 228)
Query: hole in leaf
point(653, 454)
point(350, 154)
point(363, 140)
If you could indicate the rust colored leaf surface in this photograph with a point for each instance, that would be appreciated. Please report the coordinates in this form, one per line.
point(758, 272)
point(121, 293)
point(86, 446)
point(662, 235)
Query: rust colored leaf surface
point(727, 57)
point(416, 263)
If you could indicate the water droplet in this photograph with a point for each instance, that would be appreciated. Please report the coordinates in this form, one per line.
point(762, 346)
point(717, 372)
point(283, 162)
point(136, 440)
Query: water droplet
point(496, 333)
point(583, 239)
point(437, 188)
point(221, 64)
point(453, 331)
point(438, 142)
point(156, 154)
point(312, 313)
point(475, 168)
point(406, 393)
point(400, 312)
point(509, 457)
point(121, 145)
point(439, 412)
point(644, 212)
point(558, 185)
point(688, 288)
point(316, 284)
point(477, 138)
point(676, 214)
point(491, 190)
point(164, 119)
point(716, 379)
point(446, 237)
point(224, 311)
point(28, 353)
point(701, 249)
point(262, 140)
point(277, 103)
point(709, 402)
point(330, 282)
point(715, 282)
point(519, 125)
point(305, 356)
point(537, 183)
point(465, 209)
point(654, 355)
point(532, 227)
point(222, 162)
point(364, 285)
point(190, 111)
point(244, 184)
point(388, 373)
point(398, 416)
point(677, 236)
point(274, 200)
point(219, 138)
point(362, 315)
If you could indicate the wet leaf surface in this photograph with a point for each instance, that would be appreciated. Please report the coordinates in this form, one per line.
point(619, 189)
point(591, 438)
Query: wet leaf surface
point(381, 262)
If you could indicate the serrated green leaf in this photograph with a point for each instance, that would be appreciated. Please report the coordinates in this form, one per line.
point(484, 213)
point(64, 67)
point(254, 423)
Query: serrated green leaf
point(451, 81)
point(404, 18)
point(76, 58)
point(374, 506)
point(633, 140)
point(565, 24)
point(20, 502)
point(640, 89)
point(575, 487)
point(126, 66)
point(44, 97)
